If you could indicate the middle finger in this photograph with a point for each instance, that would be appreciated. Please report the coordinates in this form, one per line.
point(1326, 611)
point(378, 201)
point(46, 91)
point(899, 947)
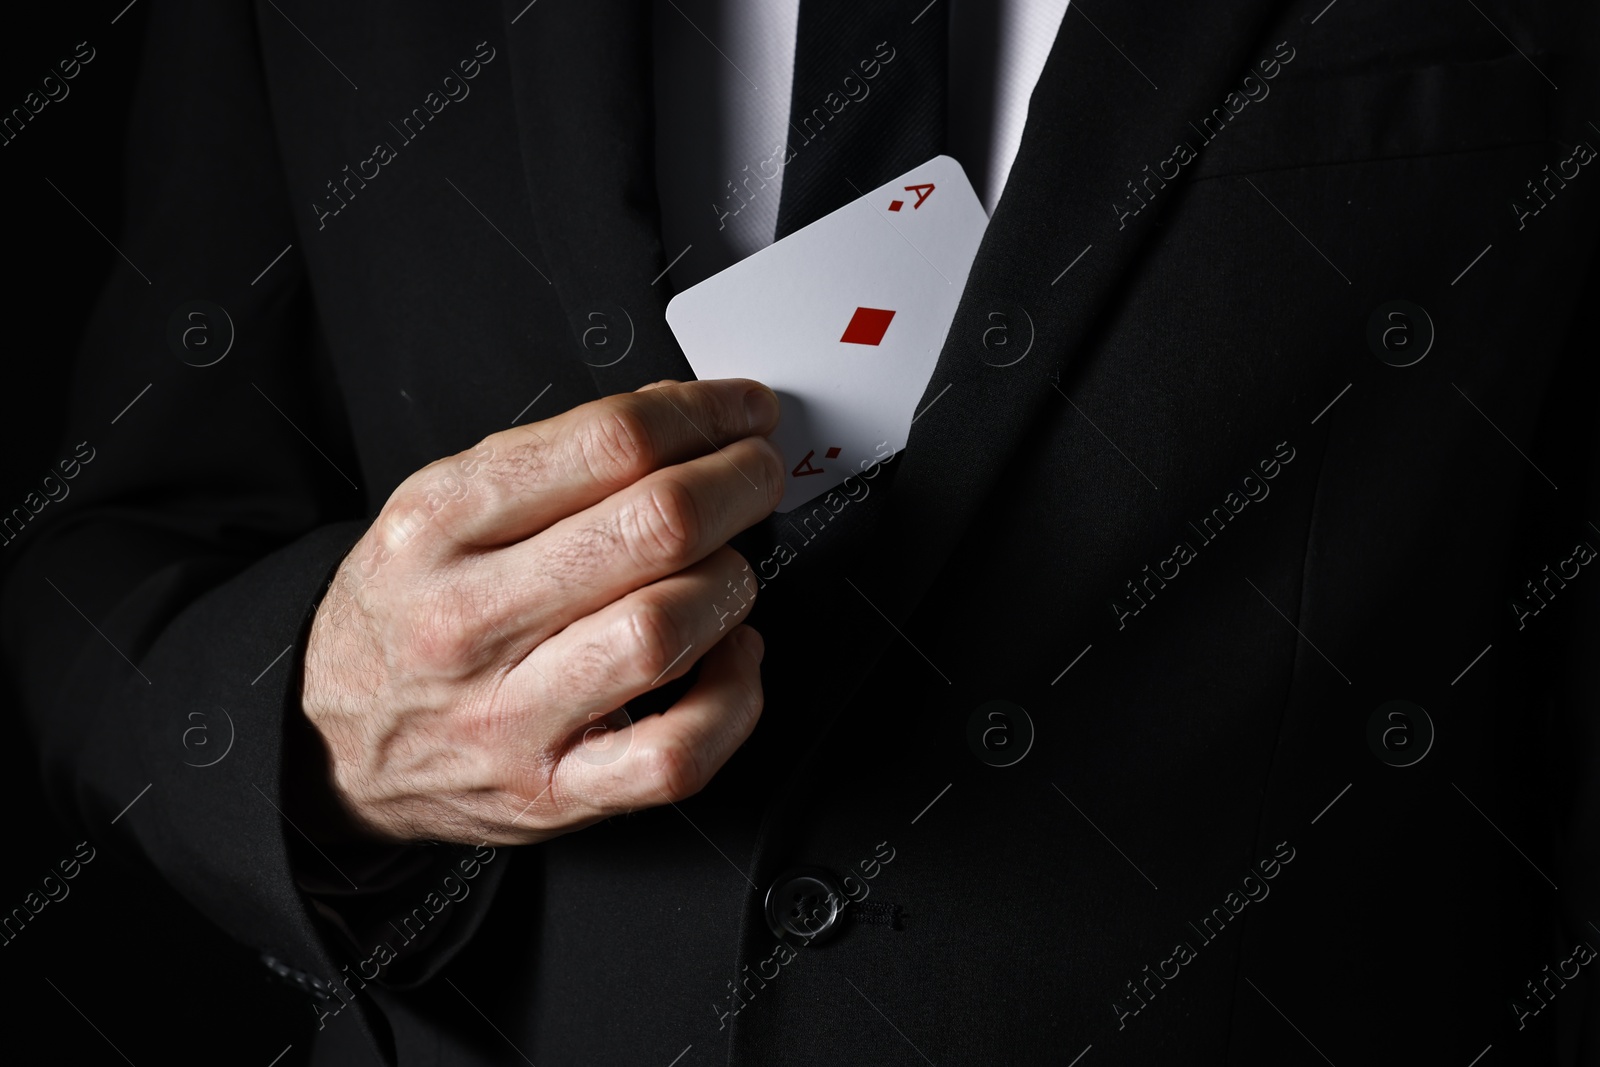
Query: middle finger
point(663, 523)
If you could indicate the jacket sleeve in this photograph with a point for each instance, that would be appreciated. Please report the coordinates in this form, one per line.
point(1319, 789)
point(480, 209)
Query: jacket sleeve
point(162, 581)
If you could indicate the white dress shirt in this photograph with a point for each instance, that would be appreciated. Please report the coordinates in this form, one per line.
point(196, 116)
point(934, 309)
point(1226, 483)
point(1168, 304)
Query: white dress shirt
point(723, 73)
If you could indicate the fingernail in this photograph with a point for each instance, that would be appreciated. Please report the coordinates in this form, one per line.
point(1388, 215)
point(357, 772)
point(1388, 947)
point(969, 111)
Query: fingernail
point(753, 644)
point(761, 408)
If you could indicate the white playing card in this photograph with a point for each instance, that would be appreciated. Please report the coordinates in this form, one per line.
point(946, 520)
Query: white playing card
point(844, 319)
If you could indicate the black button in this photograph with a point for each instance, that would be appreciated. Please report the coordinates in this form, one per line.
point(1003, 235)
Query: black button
point(805, 902)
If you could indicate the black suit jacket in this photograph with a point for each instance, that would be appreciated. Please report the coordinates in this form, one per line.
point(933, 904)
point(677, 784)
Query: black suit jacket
point(1171, 493)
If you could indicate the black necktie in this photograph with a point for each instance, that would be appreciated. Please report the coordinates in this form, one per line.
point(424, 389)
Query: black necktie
point(868, 101)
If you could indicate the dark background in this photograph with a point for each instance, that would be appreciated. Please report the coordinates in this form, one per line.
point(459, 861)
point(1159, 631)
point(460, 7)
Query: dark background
point(142, 967)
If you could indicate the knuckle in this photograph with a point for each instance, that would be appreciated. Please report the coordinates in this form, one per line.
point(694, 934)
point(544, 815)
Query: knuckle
point(438, 649)
point(660, 525)
point(674, 769)
point(403, 519)
point(442, 498)
point(652, 642)
point(442, 637)
point(615, 447)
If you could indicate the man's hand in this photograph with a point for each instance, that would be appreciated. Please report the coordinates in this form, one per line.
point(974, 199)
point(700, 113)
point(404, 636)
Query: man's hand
point(466, 668)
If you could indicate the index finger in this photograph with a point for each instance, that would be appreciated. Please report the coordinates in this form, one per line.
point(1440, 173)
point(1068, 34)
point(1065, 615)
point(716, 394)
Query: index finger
point(545, 471)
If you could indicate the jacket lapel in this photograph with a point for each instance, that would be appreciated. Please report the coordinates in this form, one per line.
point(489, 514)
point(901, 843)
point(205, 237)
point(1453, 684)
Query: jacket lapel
point(581, 76)
point(1094, 124)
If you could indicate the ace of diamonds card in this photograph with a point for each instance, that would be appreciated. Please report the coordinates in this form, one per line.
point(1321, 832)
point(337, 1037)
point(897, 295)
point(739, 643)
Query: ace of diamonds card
point(844, 319)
